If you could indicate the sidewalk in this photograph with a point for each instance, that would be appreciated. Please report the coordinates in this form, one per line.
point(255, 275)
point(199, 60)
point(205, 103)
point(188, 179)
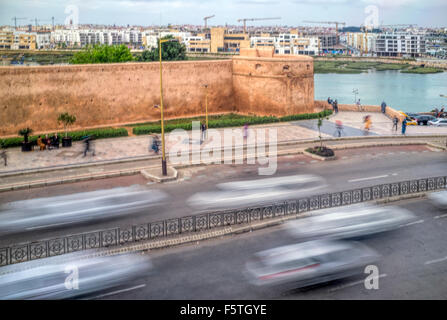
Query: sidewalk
point(131, 155)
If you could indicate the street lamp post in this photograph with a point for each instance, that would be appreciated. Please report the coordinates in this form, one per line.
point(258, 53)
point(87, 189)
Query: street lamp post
point(206, 108)
point(356, 92)
point(163, 159)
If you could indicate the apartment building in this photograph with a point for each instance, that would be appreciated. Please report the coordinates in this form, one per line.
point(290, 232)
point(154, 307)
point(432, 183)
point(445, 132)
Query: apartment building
point(400, 44)
point(224, 41)
point(6, 39)
point(196, 44)
point(293, 43)
point(362, 42)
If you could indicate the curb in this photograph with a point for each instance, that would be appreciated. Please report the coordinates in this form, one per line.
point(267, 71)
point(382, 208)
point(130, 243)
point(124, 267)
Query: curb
point(158, 179)
point(316, 156)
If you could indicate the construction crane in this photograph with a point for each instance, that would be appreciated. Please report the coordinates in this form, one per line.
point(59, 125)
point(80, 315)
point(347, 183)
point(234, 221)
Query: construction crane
point(206, 20)
point(329, 22)
point(254, 19)
point(36, 20)
point(15, 21)
point(365, 30)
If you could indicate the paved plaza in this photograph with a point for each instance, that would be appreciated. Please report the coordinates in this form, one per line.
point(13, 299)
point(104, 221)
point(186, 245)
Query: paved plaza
point(139, 146)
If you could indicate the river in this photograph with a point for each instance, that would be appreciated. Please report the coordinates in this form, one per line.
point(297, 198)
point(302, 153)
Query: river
point(402, 91)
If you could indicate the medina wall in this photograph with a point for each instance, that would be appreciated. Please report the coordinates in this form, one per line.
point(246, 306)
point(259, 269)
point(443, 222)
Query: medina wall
point(101, 95)
point(113, 94)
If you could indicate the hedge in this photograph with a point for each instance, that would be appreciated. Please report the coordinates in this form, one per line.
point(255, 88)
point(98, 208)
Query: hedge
point(225, 123)
point(75, 135)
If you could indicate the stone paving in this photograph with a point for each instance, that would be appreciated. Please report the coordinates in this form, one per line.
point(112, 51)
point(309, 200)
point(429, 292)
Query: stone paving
point(131, 147)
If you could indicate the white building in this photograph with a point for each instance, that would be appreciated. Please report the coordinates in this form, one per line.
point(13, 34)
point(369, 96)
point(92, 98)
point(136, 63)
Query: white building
point(400, 44)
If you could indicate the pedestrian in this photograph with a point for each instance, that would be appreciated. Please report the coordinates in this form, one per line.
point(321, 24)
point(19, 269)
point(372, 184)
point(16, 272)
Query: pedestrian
point(359, 105)
point(368, 124)
point(329, 101)
point(203, 129)
point(336, 106)
point(404, 126)
point(88, 141)
point(339, 127)
point(245, 131)
point(4, 156)
point(395, 123)
point(383, 107)
point(155, 146)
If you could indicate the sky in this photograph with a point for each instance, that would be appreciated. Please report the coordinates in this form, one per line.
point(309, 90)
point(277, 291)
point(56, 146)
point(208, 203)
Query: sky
point(424, 13)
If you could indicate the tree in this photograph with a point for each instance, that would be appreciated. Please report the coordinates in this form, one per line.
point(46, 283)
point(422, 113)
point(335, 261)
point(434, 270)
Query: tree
point(102, 54)
point(171, 51)
point(320, 123)
point(67, 119)
point(25, 133)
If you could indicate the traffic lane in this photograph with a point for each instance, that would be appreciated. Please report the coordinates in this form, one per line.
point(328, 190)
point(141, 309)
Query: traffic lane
point(411, 266)
point(338, 175)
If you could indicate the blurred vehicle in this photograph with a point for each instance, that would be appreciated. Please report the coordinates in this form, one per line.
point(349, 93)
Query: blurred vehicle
point(439, 199)
point(424, 119)
point(411, 115)
point(411, 122)
point(240, 194)
point(438, 122)
point(308, 263)
point(45, 213)
point(350, 221)
point(49, 278)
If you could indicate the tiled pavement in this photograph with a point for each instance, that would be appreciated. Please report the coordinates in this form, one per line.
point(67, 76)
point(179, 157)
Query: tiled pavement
point(132, 147)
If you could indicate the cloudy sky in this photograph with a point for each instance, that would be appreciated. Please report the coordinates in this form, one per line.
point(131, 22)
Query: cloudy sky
point(292, 12)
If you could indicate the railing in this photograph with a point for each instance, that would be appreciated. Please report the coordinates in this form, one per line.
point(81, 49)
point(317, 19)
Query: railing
point(202, 222)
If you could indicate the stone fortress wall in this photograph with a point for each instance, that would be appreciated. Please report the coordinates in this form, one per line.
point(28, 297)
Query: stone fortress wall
point(111, 94)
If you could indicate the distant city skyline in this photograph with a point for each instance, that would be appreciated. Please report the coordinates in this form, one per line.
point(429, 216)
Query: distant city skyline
point(428, 13)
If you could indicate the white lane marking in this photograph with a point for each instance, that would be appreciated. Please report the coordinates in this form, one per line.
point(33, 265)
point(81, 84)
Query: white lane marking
point(436, 261)
point(394, 174)
point(119, 291)
point(370, 178)
point(354, 283)
point(412, 223)
point(441, 216)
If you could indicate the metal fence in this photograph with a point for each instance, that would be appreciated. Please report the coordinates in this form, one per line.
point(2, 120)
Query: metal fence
point(201, 222)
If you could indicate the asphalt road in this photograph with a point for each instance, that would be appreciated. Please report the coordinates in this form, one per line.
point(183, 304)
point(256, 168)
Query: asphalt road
point(353, 169)
point(413, 266)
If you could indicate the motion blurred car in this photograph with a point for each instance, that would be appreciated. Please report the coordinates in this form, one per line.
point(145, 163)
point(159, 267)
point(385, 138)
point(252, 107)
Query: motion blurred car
point(71, 275)
point(439, 199)
point(438, 122)
point(410, 120)
point(308, 263)
point(348, 222)
point(46, 213)
point(240, 194)
point(424, 119)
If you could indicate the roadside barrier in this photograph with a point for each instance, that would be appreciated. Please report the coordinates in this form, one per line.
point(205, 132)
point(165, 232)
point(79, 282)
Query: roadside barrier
point(154, 231)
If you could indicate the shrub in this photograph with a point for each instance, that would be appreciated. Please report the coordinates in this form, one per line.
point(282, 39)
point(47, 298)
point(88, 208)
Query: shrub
point(76, 136)
point(226, 122)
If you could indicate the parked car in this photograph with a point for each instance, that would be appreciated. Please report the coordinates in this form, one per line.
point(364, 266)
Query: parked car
point(308, 263)
point(349, 222)
point(424, 119)
point(411, 122)
point(48, 278)
point(438, 122)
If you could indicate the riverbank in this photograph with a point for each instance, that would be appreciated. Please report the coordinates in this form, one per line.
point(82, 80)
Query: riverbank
point(356, 67)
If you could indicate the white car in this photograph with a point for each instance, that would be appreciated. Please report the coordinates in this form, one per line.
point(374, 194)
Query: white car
point(349, 222)
point(308, 263)
point(240, 194)
point(439, 199)
point(438, 122)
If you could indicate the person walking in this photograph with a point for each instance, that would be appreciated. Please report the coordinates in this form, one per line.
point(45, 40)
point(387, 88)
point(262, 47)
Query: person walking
point(404, 126)
point(245, 131)
point(4, 156)
point(359, 105)
point(336, 106)
point(395, 124)
point(203, 129)
point(383, 107)
point(368, 124)
point(339, 127)
point(155, 144)
point(329, 101)
point(88, 141)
